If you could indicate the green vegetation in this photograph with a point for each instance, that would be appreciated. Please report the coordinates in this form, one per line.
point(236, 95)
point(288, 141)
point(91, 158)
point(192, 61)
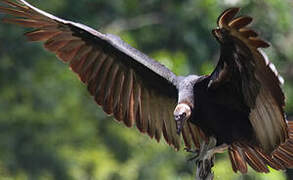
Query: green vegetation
point(50, 128)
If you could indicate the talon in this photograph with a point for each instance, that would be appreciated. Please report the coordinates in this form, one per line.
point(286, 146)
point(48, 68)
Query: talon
point(191, 150)
point(194, 158)
point(208, 159)
point(195, 155)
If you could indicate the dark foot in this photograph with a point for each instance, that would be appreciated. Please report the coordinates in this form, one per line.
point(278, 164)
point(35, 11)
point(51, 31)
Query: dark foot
point(204, 169)
point(195, 153)
point(205, 160)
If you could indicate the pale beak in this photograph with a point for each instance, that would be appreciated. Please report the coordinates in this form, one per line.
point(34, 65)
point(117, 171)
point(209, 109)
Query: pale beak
point(179, 119)
point(182, 112)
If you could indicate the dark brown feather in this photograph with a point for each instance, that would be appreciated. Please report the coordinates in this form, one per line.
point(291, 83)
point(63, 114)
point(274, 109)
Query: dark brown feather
point(54, 46)
point(145, 99)
point(96, 67)
point(244, 68)
point(283, 158)
point(246, 32)
point(159, 101)
point(194, 134)
point(137, 110)
point(268, 159)
point(130, 113)
point(79, 58)
point(166, 135)
point(24, 9)
point(67, 52)
point(118, 95)
point(227, 16)
point(152, 121)
point(42, 35)
point(127, 83)
point(254, 160)
point(14, 12)
point(258, 43)
point(78, 65)
point(26, 22)
point(101, 78)
point(240, 162)
point(127, 90)
point(240, 22)
point(186, 134)
point(87, 68)
point(175, 138)
point(109, 89)
point(64, 36)
point(232, 159)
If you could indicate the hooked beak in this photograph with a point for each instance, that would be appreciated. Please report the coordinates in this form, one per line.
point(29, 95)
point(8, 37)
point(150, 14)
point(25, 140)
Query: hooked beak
point(182, 112)
point(179, 119)
point(217, 34)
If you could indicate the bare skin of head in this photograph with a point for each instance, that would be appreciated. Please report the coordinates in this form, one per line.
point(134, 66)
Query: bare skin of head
point(182, 113)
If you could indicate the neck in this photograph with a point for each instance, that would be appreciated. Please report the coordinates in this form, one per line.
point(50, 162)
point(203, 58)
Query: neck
point(185, 89)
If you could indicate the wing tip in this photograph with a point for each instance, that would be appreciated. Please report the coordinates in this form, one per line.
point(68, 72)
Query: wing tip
point(238, 27)
point(281, 158)
point(227, 16)
point(237, 159)
point(284, 153)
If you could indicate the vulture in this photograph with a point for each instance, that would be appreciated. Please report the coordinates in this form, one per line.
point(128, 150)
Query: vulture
point(240, 104)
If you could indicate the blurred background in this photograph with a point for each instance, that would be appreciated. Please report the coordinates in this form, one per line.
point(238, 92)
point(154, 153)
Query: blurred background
point(50, 128)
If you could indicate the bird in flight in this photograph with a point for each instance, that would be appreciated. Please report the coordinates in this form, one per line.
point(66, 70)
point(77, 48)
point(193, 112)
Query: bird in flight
point(239, 105)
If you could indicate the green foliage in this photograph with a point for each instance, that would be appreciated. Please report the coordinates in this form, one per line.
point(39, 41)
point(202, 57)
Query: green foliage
point(52, 129)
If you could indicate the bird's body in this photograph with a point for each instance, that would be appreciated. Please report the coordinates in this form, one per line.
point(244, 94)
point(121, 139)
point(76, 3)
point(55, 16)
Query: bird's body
point(216, 115)
point(240, 104)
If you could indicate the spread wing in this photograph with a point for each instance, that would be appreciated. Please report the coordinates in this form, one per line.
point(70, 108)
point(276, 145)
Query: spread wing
point(247, 70)
point(127, 84)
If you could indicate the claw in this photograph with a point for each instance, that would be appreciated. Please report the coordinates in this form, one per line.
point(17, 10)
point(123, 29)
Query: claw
point(191, 150)
point(195, 154)
point(194, 158)
point(206, 157)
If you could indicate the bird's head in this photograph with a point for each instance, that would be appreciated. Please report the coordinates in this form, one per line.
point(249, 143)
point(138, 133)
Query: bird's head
point(221, 34)
point(182, 113)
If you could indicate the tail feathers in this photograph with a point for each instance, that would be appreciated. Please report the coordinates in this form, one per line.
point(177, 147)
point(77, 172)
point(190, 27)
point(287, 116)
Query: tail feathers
point(284, 153)
point(254, 160)
point(237, 158)
point(275, 164)
point(280, 159)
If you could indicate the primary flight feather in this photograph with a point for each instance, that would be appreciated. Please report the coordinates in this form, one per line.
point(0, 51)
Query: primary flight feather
point(240, 103)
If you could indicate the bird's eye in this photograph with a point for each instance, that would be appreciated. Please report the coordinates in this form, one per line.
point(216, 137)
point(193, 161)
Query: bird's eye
point(183, 115)
point(224, 31)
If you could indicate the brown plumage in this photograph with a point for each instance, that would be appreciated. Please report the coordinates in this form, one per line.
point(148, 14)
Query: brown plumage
point(123, 87)
point(240, 103)
point(259, 84)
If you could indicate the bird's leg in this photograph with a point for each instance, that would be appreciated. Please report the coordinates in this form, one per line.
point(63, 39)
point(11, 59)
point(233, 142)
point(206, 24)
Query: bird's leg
point(204, 147)
point(205, 158)
point(209, 155)
point(218, 149)
point(194, 151)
